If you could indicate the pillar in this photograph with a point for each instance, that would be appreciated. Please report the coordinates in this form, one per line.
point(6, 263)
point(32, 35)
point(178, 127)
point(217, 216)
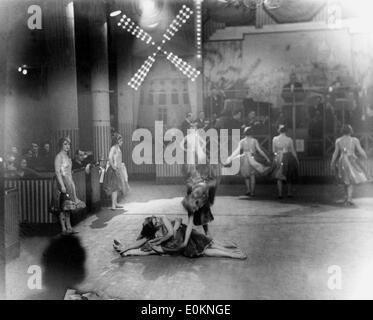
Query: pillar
point(100, 82)
point(127, 98)
point(3, 88)
point(62, 81)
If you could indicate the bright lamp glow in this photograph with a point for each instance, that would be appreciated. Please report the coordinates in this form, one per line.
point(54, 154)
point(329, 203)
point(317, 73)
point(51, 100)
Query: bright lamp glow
point(115, 13)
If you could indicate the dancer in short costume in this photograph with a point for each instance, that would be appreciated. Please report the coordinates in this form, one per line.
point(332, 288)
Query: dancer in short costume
point(285, 163)
point(249, 168)
point(346, 165)
point(116, 177)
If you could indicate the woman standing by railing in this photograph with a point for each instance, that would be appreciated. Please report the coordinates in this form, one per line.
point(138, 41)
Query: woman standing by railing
point(65, 198)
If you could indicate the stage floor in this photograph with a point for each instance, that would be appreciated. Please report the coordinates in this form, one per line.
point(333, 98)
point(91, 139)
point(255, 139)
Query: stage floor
point(290, 245)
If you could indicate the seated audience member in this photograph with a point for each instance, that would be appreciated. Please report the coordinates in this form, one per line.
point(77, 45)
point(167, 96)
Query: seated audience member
point(252, 120)
point(46, 158)
point(10, 167)
point(293, 86)
point(235, 122)
point(201, 121)
point(186, 124)
point(34, 160)
point(81, 161)
point(24, 172)
point(14, 152)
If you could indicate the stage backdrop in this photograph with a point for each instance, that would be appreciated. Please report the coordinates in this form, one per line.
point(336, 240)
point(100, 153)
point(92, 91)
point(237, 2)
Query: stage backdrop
point(262, 62)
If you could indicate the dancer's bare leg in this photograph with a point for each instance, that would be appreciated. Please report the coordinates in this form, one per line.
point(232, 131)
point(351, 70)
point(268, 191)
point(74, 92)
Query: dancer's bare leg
point(290, 190)
point(350, 190)
point(137, 252)
point(279, 188)
point(209, 252)
point(248, 185)
point(252, 185)
point(114, 197)
point(68, 221)
point(215, 244)
point(62, 221)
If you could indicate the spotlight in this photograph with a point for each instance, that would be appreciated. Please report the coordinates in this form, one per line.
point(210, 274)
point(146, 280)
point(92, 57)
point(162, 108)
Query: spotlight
point(24, 71)
point(115, 13)
point(19, 69)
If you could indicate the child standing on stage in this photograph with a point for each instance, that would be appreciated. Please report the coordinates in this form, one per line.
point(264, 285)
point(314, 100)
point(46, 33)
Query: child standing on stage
point(285, 162)
point(348, 170)
point(116, 178)
point(249, 166)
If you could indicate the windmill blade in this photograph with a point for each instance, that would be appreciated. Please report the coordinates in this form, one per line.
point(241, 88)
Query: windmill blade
point(183, 66)
point(181, 18)
point(140, 75)
point(131, 27)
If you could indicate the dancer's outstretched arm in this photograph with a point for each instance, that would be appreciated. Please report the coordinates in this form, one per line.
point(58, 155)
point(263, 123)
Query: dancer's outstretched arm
point(188, 231)
point(360, 149)
point(177, 225)
point(234, 154)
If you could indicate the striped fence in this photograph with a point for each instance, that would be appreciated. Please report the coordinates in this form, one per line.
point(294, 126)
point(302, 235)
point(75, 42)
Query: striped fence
point(12, 244)
point(319, 168)
point(35, 196)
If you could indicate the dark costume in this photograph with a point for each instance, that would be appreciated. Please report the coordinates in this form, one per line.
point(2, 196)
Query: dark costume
point(196, 246)
point(285, 166)
point(201, 187)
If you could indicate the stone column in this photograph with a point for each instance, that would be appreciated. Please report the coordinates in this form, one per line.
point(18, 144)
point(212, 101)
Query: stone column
point(62, 82)
point(4, 38)
point(126, 99)
point(100, 82)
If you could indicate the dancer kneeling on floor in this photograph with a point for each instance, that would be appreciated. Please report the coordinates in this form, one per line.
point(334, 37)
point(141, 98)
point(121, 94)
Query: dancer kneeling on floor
point(159, 235)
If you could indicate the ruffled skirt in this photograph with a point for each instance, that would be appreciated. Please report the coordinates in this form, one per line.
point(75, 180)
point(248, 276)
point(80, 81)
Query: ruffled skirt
point(350, 170)
point(285, 167)
point(197, 244)
point(115, 180)
point(249, 166)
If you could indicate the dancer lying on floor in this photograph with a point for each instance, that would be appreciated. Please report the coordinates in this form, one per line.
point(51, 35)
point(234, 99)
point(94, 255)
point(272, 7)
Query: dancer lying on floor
point(159, 235)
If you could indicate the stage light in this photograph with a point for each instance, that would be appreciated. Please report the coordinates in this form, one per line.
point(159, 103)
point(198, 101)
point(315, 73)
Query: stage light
point(115, 13)
point(24, 71)
point(19, 69)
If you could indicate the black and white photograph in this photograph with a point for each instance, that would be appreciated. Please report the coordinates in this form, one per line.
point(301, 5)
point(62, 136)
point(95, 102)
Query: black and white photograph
point(186, 150)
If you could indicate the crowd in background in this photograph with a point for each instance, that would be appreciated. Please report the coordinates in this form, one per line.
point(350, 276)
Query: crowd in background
point(36, 161)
